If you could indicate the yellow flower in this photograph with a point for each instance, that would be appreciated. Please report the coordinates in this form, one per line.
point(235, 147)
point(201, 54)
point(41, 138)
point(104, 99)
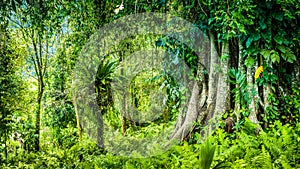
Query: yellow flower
point(258, 71)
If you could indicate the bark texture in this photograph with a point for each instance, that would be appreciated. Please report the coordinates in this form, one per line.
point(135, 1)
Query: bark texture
point(223, 93)
point(209, 97)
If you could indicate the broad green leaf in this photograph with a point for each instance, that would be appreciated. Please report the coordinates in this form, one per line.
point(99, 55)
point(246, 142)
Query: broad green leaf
point(282, 48)
point(290, 57)
point(287, 54)
point(248, 42)
point(265, 53)
point(256, 36)
point(278, 16)
point(224, 57)
point(267, 36)
point(210, 20)
point(275, 57)
point(262, 24)
point(249, 62)
point(278, 39)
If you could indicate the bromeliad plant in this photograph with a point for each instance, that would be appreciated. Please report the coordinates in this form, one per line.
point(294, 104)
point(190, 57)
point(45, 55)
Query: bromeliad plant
point(102, 83)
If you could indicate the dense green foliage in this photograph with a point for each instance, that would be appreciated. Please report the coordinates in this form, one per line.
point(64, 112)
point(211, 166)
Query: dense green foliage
point(277, 148)
point(257, 59)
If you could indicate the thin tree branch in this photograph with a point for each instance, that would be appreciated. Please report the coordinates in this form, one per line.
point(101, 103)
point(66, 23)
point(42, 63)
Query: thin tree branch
point(40, 58)
point(46, 56)
point(202, 8)
point(35, 60)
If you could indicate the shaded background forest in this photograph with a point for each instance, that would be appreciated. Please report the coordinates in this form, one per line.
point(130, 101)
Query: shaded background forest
point(247, 90)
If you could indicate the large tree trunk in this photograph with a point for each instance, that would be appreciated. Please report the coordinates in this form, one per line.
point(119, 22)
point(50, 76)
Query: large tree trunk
point(252, 106)
point(212, 83)
point(184, 127)
point(223, 93)
point(191, 115)
point(266, 93)
point(202, 104)
point(241, 67)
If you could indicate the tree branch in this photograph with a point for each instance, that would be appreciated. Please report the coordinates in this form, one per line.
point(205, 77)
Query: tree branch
point(202, 8)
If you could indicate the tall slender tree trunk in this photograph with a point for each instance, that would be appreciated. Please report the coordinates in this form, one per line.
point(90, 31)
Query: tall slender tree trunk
point(100, 125)
point(241, 67)
point(38, 114)
point(79, 128)
point(5, 139)
point(124, 113)
point(40, 65)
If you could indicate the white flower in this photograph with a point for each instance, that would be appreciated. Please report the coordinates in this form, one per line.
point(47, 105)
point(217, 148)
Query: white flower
point(119, 8)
